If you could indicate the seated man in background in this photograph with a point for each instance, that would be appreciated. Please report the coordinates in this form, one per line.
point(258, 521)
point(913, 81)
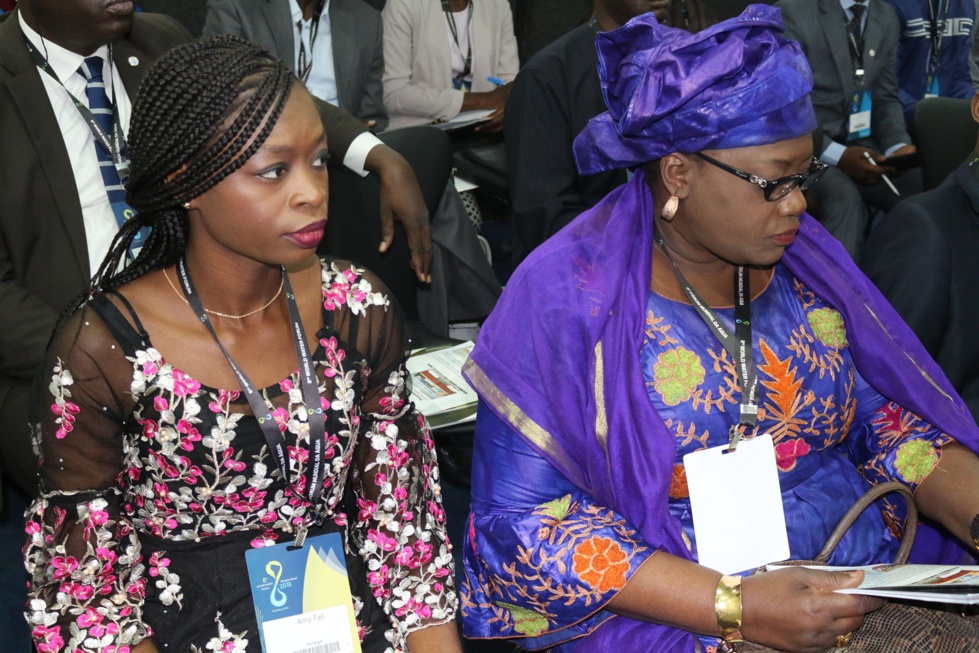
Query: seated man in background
point(851, 47)
point(338, 53)
point(922, 257)
point(555, 95)
point(933, 55)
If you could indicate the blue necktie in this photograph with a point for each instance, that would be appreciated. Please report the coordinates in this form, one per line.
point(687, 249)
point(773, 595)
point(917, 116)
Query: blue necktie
point(101, 108)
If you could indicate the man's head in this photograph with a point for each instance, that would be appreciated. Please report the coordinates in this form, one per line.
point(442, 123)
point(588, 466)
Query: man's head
point(82, 26)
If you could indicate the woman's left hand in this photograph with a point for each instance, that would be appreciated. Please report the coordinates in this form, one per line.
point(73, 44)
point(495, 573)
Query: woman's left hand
point(797, 609)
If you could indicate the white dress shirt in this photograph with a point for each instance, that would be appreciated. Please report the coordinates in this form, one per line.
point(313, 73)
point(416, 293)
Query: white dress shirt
point(322, 82)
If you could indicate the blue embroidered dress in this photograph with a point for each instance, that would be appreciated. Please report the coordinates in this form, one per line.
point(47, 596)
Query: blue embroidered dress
point(834, 435)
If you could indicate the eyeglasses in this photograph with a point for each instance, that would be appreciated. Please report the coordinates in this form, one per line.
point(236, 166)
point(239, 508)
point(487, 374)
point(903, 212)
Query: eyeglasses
point(775, 189)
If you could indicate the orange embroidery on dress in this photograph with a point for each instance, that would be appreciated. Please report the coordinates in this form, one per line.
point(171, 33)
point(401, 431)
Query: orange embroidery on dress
point(725, 393)
point(688, 435)
point(678, 483)
point(800, 344)
point(784, 400)
point(830, 422)
point(601, 563)
point(655, 326)
point(806, 296)
point(534, 579)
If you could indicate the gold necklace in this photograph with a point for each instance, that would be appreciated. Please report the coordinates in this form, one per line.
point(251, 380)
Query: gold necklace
point(230, 317)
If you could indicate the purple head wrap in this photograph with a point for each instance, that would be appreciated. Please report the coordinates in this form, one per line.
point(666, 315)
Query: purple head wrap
point(737, 83)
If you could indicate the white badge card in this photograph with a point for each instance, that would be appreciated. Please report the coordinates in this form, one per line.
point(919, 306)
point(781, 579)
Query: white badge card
point(859, 121)
point(302, 597)
point(736, 501)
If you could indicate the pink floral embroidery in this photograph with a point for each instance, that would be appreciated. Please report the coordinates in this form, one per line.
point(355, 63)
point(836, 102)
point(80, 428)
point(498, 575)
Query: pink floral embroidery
point(48, 640)
point(788, 452)
point(386, 543)
point(183, 384)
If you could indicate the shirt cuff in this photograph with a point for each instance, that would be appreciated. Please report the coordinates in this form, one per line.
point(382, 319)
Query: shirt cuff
point(356, 156)
point(893, 148)
point(832, 153)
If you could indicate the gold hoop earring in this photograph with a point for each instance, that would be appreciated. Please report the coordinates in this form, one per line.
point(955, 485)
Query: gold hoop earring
point(669, 209)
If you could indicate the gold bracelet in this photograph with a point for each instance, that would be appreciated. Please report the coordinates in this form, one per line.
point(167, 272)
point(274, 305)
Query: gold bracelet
point(727, 607)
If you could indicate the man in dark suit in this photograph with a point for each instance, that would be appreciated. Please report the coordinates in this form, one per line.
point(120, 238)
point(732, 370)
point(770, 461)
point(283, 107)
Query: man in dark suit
point(923, 257)
point(347, 61)
point(56, 221)
point(555, 95)
point(851, 51)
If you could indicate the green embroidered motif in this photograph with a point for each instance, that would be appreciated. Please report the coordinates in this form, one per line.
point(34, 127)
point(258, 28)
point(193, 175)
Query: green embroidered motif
point(558, 509)
point(526, 622)
point(915, 460)
point(827, 325)
point(677, 375)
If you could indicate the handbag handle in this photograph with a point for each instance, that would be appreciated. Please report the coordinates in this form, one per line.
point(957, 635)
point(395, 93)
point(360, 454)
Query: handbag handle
point(864, 502)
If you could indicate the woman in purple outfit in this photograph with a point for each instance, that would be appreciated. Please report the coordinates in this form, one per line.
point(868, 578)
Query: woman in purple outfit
point(698, 308)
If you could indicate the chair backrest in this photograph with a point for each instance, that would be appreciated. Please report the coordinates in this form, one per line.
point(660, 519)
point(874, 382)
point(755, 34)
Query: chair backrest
point(945, 135)
point(538, 22)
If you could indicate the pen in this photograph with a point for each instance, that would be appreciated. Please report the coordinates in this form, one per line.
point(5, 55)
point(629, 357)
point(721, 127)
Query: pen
point(496, 80)
point(887, 181)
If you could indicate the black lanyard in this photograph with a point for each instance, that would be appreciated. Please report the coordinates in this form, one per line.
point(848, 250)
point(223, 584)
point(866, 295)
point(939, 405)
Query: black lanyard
point(455, 35)
point(738, 344)
point(311, 397)
point(115, 144)
point(303, 68)
point(937, 31)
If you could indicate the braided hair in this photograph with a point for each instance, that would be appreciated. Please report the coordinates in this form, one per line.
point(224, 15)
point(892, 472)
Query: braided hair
point(202, 111)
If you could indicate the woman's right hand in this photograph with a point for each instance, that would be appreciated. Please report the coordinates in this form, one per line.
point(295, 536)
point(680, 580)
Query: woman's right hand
point(795, 609)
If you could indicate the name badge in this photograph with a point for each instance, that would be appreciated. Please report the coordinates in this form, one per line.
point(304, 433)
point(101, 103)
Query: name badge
point(931, 88)
point(302, 597)
point(859, 121)
point(736, 501)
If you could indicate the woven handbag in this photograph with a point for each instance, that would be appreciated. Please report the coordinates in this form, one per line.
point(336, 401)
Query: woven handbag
point(898, 627)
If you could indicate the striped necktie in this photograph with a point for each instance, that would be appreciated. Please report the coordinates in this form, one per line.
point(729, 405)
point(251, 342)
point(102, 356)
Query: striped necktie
point(101, 108)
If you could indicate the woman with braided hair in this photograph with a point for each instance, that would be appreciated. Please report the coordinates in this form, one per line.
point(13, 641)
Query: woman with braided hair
point(175, 423)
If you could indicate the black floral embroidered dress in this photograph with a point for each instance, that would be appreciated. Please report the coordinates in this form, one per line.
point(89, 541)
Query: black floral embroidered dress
point(154, 486)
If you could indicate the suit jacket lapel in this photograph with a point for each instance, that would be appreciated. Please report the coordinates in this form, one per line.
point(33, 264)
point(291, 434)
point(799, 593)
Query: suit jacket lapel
point(832, 18)
point(872, 35)
point(279, 18)
point(344, 31)
point(31, 98)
